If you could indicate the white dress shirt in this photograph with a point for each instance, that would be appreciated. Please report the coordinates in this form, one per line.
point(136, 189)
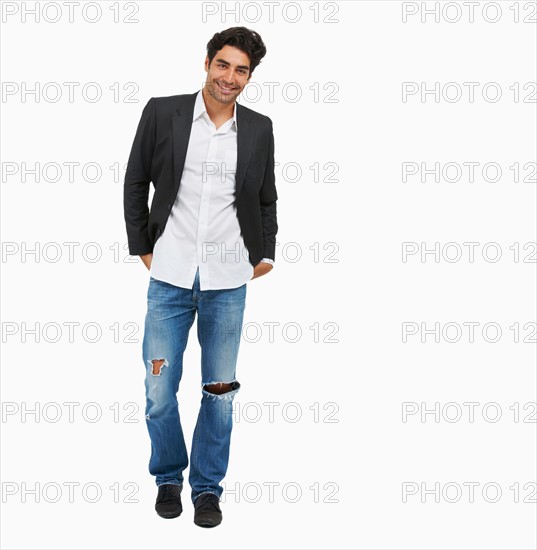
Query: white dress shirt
point(202, 229)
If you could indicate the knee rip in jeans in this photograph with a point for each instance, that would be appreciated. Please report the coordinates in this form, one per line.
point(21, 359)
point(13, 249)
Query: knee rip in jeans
point(221, 390)
point(157, 365)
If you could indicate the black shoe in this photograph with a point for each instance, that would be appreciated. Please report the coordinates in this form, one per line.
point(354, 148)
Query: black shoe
point(207, 511)
point(168, 504)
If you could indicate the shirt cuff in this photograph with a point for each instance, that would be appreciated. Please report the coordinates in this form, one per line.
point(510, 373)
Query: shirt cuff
point(268, 261)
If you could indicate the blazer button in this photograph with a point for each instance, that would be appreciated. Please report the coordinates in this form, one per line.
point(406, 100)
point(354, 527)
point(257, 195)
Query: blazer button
point(169, 206)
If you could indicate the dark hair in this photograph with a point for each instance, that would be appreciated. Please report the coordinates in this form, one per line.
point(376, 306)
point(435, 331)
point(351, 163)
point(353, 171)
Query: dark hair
point(242, 38)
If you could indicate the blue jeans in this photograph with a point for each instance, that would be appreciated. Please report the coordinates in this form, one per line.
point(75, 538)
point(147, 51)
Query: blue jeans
point(170, 314)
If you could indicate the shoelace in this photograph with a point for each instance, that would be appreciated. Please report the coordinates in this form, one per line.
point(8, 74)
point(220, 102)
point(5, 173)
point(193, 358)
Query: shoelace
point(209, 498)
point(168, 495)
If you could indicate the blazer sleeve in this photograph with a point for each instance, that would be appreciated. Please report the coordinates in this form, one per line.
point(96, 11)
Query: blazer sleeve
point(137, 180)
point(267, 199)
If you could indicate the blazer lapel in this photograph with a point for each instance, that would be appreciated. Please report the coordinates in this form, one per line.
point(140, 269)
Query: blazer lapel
point(181, 127)
point(246, 133)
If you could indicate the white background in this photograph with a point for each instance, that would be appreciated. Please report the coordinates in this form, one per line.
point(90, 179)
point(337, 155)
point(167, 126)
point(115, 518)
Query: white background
point(360, 460)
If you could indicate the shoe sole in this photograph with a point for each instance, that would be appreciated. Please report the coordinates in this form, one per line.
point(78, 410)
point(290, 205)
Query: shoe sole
point(207, 524)
point(170, 516)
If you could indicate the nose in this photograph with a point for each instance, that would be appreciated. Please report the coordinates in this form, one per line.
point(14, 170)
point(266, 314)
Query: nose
point(228, 76)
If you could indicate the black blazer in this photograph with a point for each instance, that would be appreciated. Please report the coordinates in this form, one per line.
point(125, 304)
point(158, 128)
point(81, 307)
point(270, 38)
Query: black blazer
point(158, 155)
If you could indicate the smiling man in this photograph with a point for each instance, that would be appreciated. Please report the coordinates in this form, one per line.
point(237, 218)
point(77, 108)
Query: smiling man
point(210, 230)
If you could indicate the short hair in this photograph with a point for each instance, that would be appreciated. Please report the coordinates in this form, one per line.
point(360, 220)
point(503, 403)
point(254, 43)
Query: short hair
point(242, 38)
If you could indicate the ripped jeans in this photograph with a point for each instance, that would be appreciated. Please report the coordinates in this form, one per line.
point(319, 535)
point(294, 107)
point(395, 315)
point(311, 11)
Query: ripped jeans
point(170, 314)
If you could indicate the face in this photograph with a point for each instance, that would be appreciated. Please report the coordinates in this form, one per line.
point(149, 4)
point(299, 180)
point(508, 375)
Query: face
point(227, 75)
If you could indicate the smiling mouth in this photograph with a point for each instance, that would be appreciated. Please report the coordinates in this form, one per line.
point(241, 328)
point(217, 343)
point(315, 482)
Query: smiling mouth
point(225, 89)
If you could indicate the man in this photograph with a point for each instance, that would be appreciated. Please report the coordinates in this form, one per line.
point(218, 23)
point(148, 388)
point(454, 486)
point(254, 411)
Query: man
point(211, 229)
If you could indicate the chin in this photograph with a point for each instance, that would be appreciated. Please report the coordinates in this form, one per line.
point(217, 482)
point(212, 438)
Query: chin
point(226, 98)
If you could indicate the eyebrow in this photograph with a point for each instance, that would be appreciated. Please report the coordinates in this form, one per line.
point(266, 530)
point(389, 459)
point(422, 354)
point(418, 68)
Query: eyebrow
point(220, 60)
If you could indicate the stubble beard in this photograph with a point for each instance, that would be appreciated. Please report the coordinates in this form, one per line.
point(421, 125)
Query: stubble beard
point(214, 91)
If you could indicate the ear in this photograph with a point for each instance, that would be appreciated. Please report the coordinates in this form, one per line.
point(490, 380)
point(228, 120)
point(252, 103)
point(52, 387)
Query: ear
point(206, 63)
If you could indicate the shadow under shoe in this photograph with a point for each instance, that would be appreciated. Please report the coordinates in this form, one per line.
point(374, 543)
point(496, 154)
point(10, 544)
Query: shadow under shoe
point(207, 511)
point(168, 504)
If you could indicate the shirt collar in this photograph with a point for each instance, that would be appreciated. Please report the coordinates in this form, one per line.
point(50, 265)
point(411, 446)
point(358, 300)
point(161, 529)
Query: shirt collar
point(199, 109)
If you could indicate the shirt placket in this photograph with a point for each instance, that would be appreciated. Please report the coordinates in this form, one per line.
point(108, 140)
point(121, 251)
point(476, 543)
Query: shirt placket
point(204, 259)
point(213, 161)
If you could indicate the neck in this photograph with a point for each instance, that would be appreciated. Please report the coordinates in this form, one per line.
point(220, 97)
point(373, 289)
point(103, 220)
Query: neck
point(214, 108)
